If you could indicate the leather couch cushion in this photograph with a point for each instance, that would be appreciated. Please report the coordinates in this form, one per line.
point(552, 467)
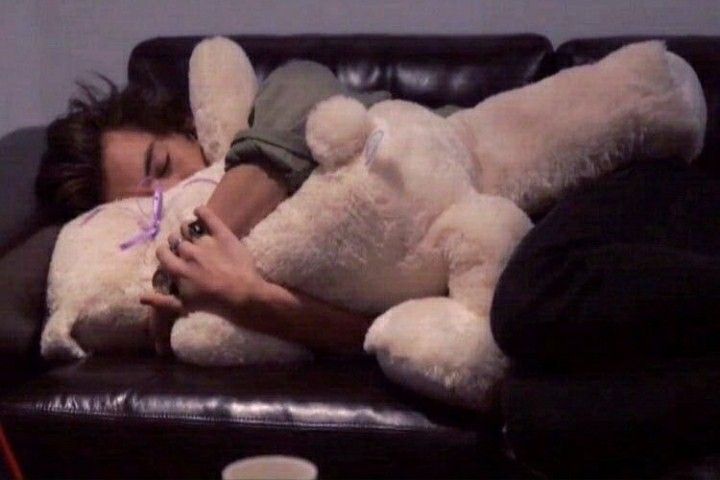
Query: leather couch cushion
point(434, 71)
point(703, 53)
point(342, 414)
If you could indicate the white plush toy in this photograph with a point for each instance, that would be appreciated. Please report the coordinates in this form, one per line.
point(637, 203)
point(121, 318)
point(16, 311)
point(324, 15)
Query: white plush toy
point(408, 214)
point(94, 285)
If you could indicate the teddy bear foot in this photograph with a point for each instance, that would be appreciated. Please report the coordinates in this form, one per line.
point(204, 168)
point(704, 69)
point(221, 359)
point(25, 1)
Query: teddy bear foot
point(439, 348)
point(57, 343)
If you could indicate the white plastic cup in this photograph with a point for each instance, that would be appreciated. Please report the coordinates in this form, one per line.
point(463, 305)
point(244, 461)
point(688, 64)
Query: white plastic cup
point(270, 467)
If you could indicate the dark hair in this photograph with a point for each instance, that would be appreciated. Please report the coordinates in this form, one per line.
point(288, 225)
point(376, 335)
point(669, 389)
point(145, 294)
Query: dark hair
point(69, 181)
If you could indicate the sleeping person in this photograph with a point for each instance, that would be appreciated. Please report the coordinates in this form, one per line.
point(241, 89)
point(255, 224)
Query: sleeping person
point(108, 145)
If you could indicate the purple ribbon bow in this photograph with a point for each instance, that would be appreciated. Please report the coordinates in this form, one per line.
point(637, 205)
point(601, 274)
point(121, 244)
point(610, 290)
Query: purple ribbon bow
point(149, 231)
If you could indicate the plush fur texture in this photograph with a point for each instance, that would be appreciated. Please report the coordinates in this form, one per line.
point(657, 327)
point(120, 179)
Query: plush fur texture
point(346, 139)
point(223, 86)
point(94, 286)
point(535, 142)
point(398, 220)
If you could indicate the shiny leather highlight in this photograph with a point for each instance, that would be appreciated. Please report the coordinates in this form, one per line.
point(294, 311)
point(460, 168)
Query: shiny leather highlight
point(434, 71)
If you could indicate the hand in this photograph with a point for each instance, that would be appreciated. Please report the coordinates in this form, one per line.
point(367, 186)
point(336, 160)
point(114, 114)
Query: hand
point(214, 272)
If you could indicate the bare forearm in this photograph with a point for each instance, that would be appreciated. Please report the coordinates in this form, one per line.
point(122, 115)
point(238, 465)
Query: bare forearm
point(300, 318)
point(246, 194)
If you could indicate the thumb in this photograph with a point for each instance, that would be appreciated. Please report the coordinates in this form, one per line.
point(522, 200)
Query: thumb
point(166, 303)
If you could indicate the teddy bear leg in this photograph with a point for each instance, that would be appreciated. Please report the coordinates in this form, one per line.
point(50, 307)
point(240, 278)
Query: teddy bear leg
point(443, 347)
point(56, 342)
point(206, 339)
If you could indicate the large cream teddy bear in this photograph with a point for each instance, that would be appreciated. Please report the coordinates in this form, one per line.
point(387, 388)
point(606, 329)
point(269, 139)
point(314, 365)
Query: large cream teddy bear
point(409, 215)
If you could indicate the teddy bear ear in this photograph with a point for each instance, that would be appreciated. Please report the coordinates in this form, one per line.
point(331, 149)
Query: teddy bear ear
point(223, 86)
point(336, 130)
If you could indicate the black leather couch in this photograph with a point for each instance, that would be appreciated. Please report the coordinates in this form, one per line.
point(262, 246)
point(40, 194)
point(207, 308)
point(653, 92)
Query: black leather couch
point(150, 417)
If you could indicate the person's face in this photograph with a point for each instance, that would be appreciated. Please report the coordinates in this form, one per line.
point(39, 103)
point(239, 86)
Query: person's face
point(130, 156)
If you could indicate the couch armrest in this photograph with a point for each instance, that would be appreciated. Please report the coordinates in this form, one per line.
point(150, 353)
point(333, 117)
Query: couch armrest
point(23, 277)
point(20, 216)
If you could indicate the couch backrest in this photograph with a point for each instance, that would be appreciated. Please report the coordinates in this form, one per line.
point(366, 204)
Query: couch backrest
point(434, 71)
point(703, 53)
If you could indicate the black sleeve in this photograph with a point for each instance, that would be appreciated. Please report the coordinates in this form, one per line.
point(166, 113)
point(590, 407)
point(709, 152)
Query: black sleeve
point(627, 267)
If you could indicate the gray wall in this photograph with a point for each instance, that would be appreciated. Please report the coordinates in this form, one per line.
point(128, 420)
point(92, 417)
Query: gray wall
point(47, 45)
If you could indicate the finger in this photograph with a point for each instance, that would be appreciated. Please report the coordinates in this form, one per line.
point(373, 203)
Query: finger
point(167, 304)
point(160, 301)
point(215, 226)
point(174, 241)
point(187, 251)
point(171, 263)
point(181, 247)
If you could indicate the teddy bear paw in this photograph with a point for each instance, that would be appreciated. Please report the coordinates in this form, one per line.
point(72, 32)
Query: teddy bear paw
point(439, 348)
point(56, 343)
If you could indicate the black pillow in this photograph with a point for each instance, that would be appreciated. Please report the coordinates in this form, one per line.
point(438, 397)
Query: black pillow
point(627, 267)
